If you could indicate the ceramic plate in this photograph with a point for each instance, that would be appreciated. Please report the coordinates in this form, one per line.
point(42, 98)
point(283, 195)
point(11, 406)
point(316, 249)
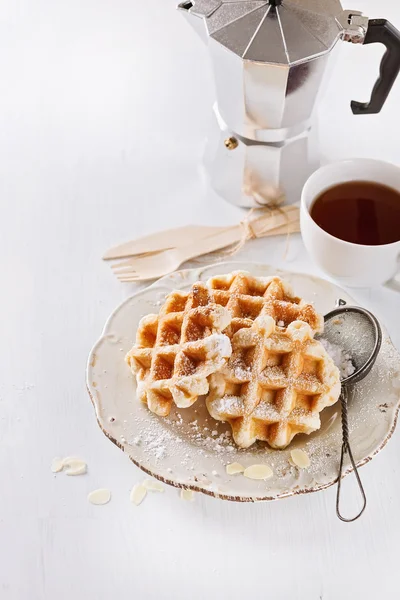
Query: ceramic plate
point(191, 450)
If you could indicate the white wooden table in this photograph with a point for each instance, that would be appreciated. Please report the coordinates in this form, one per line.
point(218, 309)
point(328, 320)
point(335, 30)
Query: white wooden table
point(103, 108)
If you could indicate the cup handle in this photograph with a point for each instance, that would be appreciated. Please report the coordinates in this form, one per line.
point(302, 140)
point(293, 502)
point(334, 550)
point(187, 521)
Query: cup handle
point(394, 283)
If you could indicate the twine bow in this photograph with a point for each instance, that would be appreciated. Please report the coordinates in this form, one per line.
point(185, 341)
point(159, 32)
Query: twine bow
point(254, 216)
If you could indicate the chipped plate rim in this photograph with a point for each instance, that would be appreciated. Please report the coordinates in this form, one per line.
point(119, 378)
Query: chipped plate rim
point(185, 274)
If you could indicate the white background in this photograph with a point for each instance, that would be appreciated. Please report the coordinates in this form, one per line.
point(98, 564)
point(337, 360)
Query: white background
point(104, 105)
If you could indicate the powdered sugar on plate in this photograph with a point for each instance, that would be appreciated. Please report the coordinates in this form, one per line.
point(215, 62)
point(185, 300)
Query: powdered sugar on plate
point(181, 448)
point(191, 442)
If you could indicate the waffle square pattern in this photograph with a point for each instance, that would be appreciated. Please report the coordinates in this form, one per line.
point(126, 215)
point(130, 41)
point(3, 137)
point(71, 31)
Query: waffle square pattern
point(177, 350)
point(275, 384)
point(247, 297)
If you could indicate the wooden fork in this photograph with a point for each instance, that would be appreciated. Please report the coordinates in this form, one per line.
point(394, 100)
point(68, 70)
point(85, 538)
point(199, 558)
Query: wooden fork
point(161, 240)
point(153, 267)
point(163, 263)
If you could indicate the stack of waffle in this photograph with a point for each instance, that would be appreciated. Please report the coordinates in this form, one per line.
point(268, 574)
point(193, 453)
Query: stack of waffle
point(247, 344)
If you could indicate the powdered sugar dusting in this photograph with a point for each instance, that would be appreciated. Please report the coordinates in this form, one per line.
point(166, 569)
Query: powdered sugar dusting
point(191, 442)
point(221, 345)
point(340, 357)
point(242, 371)
point(182, 448)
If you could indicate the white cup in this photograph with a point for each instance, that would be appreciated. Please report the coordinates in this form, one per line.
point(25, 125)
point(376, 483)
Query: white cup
point(353, 265)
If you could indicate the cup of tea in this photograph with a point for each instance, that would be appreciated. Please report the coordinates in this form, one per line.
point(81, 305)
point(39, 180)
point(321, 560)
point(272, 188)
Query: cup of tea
point(350, 221)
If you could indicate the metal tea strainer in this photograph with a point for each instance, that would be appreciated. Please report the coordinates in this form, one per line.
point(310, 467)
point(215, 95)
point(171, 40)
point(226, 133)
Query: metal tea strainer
point(359, 334)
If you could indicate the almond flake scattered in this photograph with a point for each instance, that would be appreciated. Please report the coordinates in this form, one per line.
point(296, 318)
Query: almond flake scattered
point(99, 497)
point(138, 494)
point(152, 485)
point(258, 472)
point(78, 470)
point(74, 466)
point(300, 458)
point(68, 459)
point(234, 468)
point(57, 465)
point(187, 495)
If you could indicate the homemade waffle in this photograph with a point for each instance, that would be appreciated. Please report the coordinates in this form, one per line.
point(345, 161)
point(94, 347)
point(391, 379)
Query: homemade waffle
point(247, 297)
point(177, 350)
point(275, 384)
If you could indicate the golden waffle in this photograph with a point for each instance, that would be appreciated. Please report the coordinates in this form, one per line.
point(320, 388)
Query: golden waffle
point(247, 297)
point(177, 350)
point(275, 384)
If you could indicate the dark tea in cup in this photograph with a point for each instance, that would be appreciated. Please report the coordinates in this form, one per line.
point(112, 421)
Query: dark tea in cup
point(361, 212)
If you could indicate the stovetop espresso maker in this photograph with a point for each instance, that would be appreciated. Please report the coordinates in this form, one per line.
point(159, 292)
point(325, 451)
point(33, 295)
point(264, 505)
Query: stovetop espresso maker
point(270, 60)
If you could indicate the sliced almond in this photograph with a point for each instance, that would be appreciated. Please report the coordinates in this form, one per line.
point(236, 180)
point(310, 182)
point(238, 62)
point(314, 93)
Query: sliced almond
point(300, 458)
point(258, 472)
point(234, 468)
point(187, 495)
point(138, 494)
point(74, 466)
point(57, 465)
point(78, 470)
point(68, 459)
point(72, 459)
point(99, 497)
point(152, 485)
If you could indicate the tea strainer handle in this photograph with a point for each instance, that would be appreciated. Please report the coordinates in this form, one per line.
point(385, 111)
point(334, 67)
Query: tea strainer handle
point(346, 448)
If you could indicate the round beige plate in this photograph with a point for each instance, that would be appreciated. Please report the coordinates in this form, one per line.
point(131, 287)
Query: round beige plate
point(191, 450)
